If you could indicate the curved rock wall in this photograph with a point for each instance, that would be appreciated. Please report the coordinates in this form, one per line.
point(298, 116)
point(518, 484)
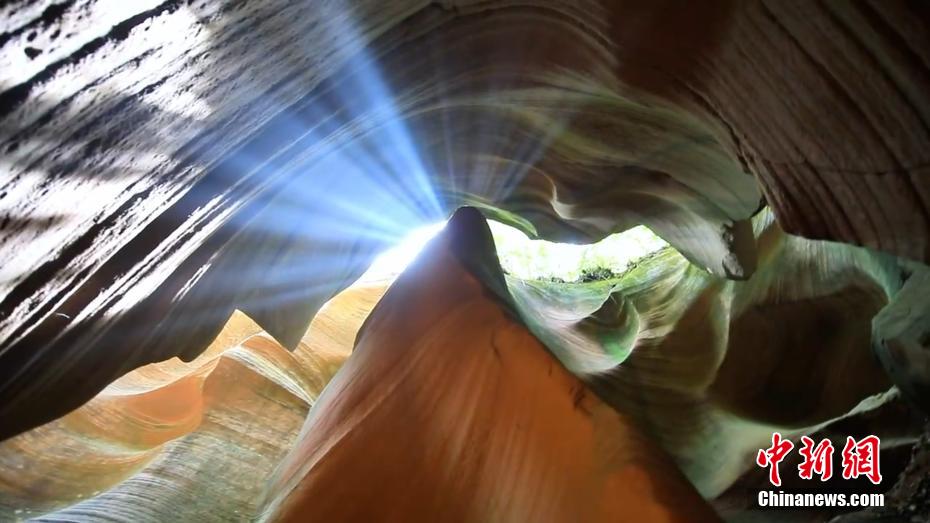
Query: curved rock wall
point(676, 367)
point(158, 155)
point(167, 163)
point(212, 430)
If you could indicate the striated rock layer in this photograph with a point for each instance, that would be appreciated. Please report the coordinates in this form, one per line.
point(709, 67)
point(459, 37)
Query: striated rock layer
point(166, 163)
point(451, 410)
point(182, 441)
point(451, 380)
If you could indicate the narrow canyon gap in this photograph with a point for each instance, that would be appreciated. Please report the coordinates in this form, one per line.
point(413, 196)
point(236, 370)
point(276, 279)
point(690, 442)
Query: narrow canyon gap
point(191, 190)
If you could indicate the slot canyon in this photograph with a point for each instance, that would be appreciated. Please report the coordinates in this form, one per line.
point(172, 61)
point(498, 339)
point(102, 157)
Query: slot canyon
point(195, 197)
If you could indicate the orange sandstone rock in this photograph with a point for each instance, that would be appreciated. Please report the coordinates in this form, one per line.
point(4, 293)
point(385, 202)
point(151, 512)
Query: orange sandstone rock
point(450, 410)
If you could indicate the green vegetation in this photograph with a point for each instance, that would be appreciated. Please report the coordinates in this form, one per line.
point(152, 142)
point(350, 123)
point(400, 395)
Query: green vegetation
point(541, 260)
point(589, 274)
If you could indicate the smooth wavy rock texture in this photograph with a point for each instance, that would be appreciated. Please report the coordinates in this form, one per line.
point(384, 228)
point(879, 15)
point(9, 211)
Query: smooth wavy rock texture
point(483, 427)
point(452, 391)
point(185, 184)
point(166, 163)
point(712, 366)
point(183, 441)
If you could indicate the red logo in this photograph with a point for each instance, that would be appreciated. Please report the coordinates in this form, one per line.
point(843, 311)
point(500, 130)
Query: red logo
point(772, 456)
point(860, 458)
point(819, 459)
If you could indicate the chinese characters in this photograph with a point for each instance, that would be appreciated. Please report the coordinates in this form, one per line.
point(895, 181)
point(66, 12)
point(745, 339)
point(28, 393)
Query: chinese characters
point(859, 458)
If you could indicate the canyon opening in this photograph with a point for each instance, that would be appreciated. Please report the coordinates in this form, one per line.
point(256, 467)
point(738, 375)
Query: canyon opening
point(467, 260)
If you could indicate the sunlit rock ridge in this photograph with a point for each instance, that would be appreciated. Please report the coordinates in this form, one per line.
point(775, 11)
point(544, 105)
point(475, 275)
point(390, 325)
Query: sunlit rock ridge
point(197, 179)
